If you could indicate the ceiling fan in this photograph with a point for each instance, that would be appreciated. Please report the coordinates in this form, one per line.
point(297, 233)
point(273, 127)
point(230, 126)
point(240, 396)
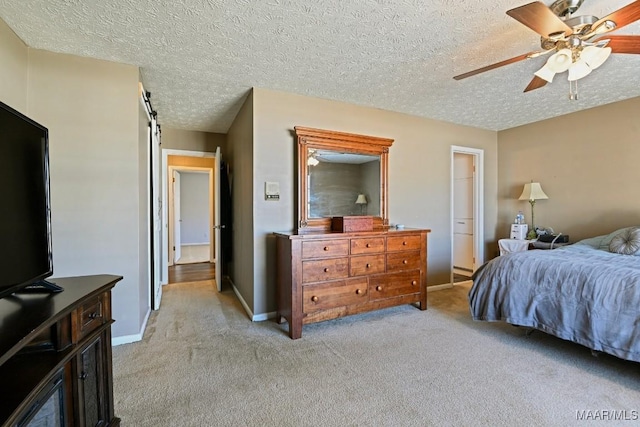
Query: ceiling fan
point(576, 43)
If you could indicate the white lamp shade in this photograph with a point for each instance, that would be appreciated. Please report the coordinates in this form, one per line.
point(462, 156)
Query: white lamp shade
point(545, 73)
point(578, 70)
point(560, 62)
point(361, 200)
point(595, 56)
point(532, 191)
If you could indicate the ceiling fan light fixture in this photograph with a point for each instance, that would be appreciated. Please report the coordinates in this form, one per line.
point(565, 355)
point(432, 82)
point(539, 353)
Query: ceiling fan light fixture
point(545, 73)
point(561, 61)
point(604, 27)
point(578, 70)
point(595, 56)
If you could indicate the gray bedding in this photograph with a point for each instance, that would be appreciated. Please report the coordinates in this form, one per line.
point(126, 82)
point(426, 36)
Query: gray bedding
point(578, 293)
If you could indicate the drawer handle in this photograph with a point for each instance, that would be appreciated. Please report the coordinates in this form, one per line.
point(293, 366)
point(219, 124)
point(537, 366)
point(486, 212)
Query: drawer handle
point(95, 315)
point(461, 222)
point(404, 243)
point(404, 261)
point(83, 376)
point(378, 288)
point(326, 248)
point(368, 266)
point(314, 298)
point(358, 291)
point(414, 282)
point(368, 245)
point(326, 270)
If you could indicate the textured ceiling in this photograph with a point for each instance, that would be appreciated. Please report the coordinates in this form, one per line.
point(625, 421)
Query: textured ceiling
point(200, 58)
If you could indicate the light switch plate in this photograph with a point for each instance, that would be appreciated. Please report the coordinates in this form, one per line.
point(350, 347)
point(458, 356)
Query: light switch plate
point(272, 190)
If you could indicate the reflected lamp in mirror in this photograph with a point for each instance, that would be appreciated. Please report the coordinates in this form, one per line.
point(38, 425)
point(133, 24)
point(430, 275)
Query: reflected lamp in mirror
point(362, 201)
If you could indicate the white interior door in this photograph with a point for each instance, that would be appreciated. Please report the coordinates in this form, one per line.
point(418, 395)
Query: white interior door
point(177, 241)
point(156, 206)
point(216, 215)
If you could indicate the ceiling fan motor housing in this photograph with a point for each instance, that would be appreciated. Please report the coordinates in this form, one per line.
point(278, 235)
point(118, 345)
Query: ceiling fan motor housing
point(564, 8)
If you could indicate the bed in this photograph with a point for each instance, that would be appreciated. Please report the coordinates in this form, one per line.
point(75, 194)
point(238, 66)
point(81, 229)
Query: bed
point(588, 292)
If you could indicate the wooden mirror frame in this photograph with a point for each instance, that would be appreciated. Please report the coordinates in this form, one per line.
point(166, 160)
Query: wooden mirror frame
point(347, 143)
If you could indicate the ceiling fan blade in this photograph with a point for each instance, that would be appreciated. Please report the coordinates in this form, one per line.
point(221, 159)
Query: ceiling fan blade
point(540, 19)
point(493, 66)
point(623, 44)
point(536, 83)
point(625, 16)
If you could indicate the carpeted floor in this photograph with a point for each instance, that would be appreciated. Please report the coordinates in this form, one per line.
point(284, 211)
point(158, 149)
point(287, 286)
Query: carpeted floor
point(202, 362)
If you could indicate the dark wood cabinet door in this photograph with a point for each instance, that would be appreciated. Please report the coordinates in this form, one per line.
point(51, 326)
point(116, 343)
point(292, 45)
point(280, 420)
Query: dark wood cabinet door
point(92, 410)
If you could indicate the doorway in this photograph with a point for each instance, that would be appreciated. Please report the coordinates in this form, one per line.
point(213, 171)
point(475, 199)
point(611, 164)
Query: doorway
point(467, 194)
point(191, 161)
point(190, 215)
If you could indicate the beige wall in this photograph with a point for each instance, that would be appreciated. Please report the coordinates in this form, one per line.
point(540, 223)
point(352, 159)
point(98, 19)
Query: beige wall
point(91, 110)
point(419, 174)
point(240, 156)
point(586, 162)
point(14, 62)
point(179, 139)
point(144, 213)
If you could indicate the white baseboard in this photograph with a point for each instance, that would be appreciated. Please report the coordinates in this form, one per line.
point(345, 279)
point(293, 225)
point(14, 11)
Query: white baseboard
point(466, 282)
point(253, 317)
point(127, 339)
point(439, 287)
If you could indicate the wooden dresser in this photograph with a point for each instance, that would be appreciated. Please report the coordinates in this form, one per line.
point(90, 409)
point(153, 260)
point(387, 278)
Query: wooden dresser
point(323, 276)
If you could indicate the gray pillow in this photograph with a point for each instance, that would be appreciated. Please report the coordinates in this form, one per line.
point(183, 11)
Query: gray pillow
point(627, 242)
point(606, 239)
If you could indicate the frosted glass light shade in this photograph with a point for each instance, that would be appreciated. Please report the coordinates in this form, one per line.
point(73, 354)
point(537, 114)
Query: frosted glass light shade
point(545, 73)
point(560, 62)
point(595, 56)
point(533, 191)
point(578, 70)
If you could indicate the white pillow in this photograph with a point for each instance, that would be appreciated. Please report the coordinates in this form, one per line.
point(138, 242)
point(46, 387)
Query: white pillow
point(627, 242)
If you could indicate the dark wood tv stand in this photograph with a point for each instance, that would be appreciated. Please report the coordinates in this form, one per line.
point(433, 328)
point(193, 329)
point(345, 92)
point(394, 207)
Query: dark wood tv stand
point(55, 351)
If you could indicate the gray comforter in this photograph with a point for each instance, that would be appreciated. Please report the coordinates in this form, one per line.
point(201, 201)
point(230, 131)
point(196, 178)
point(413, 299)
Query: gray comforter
point(578, 293)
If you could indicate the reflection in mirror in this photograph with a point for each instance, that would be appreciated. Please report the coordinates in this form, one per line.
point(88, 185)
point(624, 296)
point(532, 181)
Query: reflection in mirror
point(342, 184)
point(337, 171)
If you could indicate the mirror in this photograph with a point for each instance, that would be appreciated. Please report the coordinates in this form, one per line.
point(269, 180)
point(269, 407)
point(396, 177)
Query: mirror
point(342, 184)
point(340, 174)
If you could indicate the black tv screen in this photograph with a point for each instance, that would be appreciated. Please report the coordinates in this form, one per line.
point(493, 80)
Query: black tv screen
point(25, 218)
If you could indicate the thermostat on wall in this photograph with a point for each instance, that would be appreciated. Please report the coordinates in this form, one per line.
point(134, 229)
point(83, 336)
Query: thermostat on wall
point(272, 191)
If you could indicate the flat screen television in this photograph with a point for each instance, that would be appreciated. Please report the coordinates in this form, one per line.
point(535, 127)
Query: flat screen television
point(25, 214)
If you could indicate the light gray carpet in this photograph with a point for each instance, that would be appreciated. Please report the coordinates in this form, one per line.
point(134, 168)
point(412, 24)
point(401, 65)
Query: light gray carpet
point(202, 362)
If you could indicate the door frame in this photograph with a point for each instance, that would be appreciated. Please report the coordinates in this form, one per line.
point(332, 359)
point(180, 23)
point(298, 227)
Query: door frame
point(172, 259)
point(478, 204)
point(166, 152)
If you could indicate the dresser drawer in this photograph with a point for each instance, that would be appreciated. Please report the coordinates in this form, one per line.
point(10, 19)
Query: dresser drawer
point(398, 261)
point(91, 315)
point(393, 285)
point(366, 264)
point(325, 269)
point(325, 248)
point(324, 296)
point(404, 243)
point(368, 245)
